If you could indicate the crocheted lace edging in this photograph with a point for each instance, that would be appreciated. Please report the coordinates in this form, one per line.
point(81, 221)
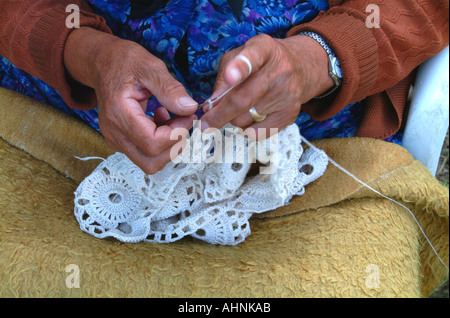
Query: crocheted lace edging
point(209, 201)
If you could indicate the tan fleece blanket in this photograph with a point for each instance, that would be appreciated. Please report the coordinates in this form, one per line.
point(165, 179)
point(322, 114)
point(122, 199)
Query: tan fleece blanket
point(337, 240)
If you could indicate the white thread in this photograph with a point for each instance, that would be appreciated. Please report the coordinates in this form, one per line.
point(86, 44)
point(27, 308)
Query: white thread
point(349, 174)
point(212, 101)
point(89, 158)
point(247, 61)
point(377, 192)
point(221, 96)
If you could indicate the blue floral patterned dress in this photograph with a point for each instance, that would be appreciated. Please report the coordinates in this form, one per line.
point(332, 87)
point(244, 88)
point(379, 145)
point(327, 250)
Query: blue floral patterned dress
point(209, 28)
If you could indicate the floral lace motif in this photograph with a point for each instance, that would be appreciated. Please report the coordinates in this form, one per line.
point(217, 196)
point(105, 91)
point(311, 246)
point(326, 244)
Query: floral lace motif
point(209, 195)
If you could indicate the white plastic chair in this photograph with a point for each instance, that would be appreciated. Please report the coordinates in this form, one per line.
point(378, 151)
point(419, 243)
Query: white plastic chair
point(428, 118)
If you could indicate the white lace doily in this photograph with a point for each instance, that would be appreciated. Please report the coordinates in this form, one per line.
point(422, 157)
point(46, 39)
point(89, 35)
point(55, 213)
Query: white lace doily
point(196, 194)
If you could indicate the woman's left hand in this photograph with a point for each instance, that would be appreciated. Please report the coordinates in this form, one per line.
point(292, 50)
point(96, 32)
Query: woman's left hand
point(285, 74)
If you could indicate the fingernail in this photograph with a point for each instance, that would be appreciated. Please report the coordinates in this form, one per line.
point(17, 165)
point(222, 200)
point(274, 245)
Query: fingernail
point(235, 75)
point(187, 102)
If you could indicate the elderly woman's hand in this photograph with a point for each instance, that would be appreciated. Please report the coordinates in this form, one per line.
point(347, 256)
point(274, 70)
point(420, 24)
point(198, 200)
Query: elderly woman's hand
point(286, 73)
point(124, 76)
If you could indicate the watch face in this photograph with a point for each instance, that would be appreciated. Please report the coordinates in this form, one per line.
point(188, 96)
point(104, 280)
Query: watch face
point(336, 68)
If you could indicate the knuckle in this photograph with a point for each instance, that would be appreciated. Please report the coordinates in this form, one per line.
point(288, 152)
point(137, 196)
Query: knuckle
point(227, 57)
point(160, 166)
point(214, 119)
point(239, 121)
point(240, 101)
point(150, 169)
point(158, 64)
point(149, 149)
point(147, 166)
point(263, 39)
point(169, 84)
point(266, 86)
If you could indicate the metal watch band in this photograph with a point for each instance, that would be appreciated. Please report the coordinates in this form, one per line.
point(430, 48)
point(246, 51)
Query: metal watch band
point(333, 62)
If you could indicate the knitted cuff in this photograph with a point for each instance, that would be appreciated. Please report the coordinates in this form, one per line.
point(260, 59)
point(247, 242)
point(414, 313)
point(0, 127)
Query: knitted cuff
point(46, 44)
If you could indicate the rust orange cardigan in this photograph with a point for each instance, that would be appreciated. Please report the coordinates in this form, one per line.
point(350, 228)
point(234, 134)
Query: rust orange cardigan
point(377, 63)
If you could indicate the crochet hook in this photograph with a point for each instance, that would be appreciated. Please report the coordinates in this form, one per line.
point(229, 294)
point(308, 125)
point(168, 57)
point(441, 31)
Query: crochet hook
point(210, 103)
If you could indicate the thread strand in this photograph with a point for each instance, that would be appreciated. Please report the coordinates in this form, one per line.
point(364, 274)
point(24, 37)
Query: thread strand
point(379, 193)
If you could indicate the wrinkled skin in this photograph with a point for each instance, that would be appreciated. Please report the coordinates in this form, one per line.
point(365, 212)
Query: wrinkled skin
point(286, 73)
point(124, 76)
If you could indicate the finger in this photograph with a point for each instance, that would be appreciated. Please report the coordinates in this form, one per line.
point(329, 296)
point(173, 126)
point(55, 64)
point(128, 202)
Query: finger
point(220, 85)
point(169, 92)
point(150, 165)
point(161, 115)
point(239, 69)
point(253, 56)
point(185, 123)
point(270, 126)
point(237, 65)
point(246, 119)
point(158, 163)
point(269, 103)
point(142, 131)
point(238, 101)
point(122, 144)
point(228, 78)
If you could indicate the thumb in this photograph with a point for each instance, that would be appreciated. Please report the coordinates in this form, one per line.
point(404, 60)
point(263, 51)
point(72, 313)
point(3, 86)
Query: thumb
point(170, 93)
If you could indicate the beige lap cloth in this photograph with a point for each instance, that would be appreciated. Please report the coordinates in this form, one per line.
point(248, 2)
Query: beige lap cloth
point(337, 240)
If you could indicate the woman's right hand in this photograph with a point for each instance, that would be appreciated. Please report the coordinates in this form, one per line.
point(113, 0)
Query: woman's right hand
point(124, 76)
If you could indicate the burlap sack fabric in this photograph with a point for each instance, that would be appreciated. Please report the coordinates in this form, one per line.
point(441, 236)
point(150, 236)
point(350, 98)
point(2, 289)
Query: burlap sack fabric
point(337, 240)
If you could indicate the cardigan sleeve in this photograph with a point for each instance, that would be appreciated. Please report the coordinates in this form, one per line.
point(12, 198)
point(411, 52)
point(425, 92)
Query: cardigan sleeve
point(375, 59)
point(33, 37)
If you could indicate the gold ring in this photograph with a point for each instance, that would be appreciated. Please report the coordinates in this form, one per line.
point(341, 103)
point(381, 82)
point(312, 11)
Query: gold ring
point(256, 116)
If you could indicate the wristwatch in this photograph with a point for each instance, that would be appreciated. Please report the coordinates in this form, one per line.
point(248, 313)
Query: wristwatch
point(334, 67)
